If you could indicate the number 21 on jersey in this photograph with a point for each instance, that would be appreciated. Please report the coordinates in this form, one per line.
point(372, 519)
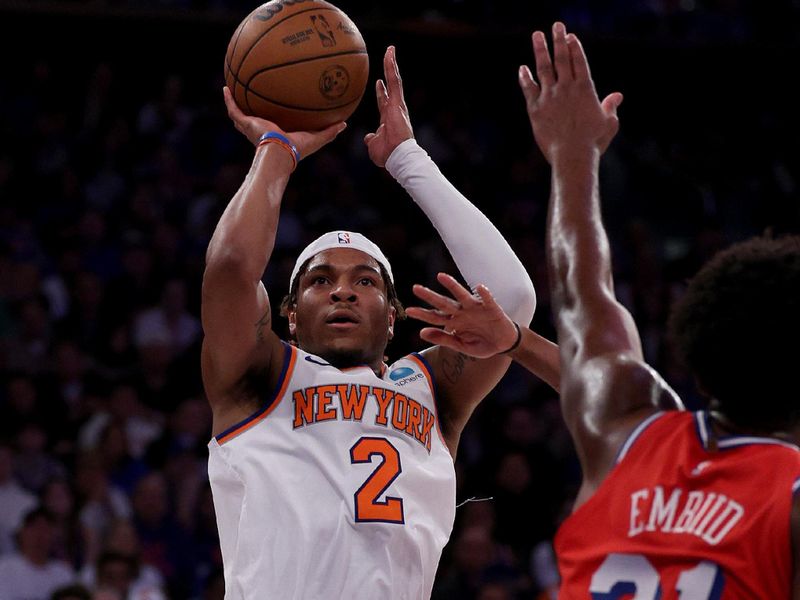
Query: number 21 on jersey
point(621, 575)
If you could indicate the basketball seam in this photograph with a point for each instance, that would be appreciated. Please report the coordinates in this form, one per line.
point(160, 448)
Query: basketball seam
point(303, 60)
point(274, 25)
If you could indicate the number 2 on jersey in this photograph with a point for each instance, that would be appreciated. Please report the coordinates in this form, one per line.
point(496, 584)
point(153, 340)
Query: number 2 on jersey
point(623, 574)
point(368, 507)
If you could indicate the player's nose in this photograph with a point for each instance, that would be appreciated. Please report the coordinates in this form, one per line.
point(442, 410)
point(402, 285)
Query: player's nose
point(343, 291)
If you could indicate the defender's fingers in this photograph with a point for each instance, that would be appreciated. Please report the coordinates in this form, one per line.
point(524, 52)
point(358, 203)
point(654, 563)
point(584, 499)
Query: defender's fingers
point(392, 74)
point(561, 59)
point(460, 293)
point(577, 57)
point(530, 89)
point(611, 103)
point(487, 297)
point(440, 337)
point(433, 317)
point(381, 95)
point(544, 67)
point(436, 300)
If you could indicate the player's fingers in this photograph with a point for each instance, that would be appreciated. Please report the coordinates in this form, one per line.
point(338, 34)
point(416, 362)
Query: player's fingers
point(436, 300)
point(233, 109)
point(459, 292)
point(382, 95)
point(561, 58)
point(544, 67)
point(329, 133)
point(433, 317)
point(393, 80)
point(577, 57)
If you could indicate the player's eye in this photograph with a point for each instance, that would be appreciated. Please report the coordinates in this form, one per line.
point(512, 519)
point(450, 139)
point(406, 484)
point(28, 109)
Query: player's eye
point(366, 281)
point(319, 280)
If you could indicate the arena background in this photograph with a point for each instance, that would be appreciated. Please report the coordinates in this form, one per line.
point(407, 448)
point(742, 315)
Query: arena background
point(117, 158)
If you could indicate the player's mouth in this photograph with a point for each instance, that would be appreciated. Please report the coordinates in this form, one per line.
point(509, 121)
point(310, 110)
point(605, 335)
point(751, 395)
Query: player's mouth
point(342, 320)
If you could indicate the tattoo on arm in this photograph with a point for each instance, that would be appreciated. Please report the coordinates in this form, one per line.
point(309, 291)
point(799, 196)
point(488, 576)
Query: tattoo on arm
point(453, 366)
point(263, 322)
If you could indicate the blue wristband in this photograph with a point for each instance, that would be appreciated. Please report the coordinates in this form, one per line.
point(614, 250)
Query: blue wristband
point(274, 135)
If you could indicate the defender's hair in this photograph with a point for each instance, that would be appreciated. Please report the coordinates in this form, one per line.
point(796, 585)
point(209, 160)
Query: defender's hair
point(737, 329)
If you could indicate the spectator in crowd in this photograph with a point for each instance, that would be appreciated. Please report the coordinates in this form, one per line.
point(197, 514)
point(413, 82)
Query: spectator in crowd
point(30, 573)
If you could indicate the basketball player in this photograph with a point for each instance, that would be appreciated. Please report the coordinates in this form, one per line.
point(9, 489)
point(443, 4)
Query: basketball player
point(332, 473)
point(672, 503)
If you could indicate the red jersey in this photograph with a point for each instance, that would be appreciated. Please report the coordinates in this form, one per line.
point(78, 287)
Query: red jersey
point(677, 518)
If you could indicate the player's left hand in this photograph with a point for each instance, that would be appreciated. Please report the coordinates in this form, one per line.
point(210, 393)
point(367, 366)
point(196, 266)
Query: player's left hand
point(395, 126)
point(473, 324)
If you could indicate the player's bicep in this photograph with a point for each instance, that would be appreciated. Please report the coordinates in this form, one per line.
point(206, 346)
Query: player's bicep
point(461, 383)
point(603, 400)
point(237, 325)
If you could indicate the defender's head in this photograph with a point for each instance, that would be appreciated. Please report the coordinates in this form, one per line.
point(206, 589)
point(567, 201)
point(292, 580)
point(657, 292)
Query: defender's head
point(737, 328)
point(342, 303)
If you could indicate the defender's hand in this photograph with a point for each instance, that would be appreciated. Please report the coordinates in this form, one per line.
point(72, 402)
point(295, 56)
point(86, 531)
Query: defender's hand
point(472, 324)
point(563, 108)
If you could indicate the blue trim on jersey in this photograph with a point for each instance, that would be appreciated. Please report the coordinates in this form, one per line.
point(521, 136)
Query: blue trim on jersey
point(287, 355)
point(703, 422)
point(434, 388)
point(634, 435)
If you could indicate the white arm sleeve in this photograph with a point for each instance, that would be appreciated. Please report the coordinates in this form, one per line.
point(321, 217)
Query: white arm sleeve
point(478, 248)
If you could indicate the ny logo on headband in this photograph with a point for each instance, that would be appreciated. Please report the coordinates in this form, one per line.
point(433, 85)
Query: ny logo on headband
point(344, 237)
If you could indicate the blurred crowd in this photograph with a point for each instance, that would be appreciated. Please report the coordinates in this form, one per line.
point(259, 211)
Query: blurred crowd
point(110, 188)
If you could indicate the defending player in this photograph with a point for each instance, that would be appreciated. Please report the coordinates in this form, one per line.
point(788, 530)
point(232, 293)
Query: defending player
point(332, 474)
point(672, 504)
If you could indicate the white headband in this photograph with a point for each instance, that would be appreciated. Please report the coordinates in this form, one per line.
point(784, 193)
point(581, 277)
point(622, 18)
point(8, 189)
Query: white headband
point(340, 239)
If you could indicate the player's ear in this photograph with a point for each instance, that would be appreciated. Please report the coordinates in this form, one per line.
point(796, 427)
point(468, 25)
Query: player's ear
point(291, 315)
point(392, 316)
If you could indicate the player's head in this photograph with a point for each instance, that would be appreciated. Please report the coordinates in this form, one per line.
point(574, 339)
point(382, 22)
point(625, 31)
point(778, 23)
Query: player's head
point(737, 328)
point(342, 303)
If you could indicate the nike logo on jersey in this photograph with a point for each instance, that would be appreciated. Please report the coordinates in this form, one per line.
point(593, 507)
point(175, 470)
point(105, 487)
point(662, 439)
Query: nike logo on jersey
point(318, 361)
point(347, 402)
point(701, 467)
point(707, 515)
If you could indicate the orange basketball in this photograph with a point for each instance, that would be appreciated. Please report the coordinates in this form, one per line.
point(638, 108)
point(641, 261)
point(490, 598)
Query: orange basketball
point(299, 63)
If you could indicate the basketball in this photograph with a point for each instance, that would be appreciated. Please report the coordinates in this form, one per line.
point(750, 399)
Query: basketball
point(299, 63)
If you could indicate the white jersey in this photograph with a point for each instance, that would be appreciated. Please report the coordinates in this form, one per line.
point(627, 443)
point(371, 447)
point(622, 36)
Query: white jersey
point(340, 486)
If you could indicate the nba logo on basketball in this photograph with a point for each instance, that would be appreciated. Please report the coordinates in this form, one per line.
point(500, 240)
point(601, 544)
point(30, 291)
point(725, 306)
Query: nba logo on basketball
point(344, 237)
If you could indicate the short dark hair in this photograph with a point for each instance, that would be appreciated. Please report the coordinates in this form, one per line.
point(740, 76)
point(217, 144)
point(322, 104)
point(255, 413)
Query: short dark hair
point(737, 329)
point(290, 299)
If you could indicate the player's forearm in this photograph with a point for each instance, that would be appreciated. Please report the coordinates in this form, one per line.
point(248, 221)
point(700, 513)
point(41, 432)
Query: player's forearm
point(539, 356)
point(478, 248)
point(579, 259)
point(245, 235)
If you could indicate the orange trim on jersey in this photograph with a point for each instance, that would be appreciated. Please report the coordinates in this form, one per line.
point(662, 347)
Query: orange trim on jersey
point(429, 378)
point(263, 413)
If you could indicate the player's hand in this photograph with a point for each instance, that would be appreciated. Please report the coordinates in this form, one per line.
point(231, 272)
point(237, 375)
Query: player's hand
point(564, 110)
point(306, 142)
point(473, 324)
point(395, 126)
